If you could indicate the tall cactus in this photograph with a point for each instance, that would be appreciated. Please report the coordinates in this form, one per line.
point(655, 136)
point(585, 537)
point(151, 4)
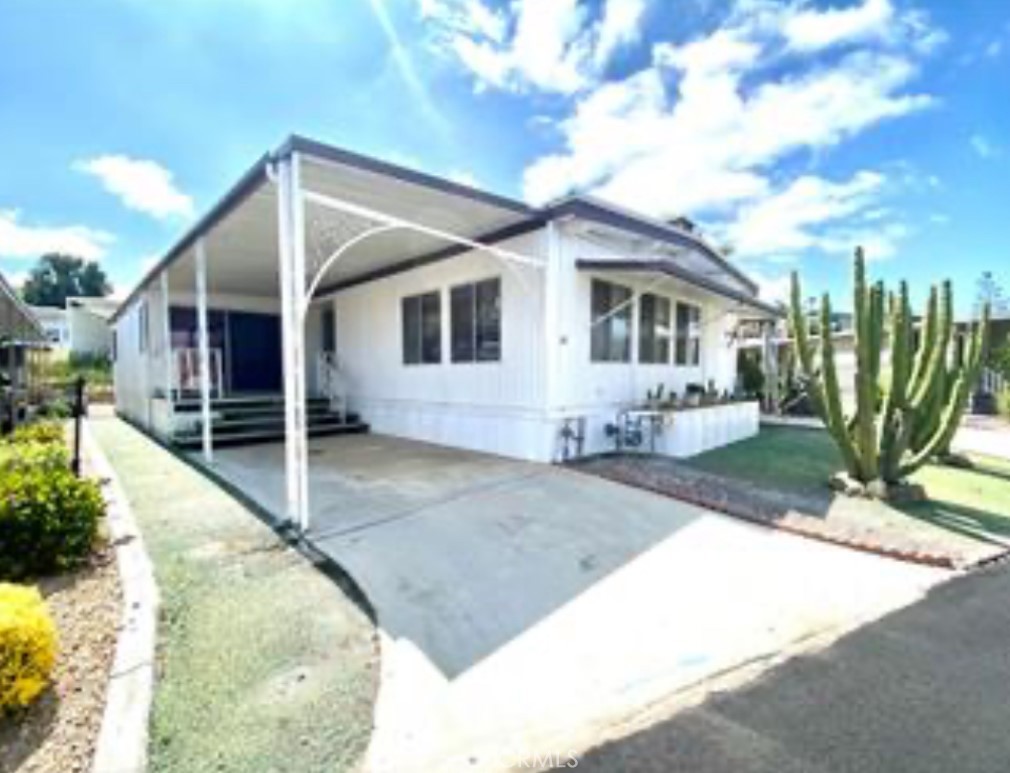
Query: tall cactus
point(924, 397)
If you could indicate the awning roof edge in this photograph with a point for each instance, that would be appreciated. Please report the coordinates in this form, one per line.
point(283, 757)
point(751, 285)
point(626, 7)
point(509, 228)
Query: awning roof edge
point(670, 268)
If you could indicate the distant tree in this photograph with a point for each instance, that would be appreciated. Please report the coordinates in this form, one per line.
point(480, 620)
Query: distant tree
point(989, 291)
point(57, 277)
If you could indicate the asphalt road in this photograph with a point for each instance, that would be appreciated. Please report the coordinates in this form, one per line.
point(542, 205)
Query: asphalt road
point(925, 689)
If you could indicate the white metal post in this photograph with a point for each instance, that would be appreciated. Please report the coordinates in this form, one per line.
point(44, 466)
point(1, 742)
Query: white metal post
point(166, 331)
point(552, 320)
point(291, 253)
point(204, 348)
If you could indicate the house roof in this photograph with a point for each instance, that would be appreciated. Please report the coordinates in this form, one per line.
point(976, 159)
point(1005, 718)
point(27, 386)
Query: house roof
point(100, 307)
point(16, 318)
point(480, 216)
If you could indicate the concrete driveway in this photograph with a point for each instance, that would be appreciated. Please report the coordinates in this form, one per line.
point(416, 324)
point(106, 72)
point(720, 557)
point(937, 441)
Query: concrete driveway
point(529, 609)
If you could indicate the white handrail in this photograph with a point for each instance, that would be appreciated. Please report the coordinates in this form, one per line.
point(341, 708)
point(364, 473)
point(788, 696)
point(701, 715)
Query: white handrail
point(186, 374)
point(331, 381)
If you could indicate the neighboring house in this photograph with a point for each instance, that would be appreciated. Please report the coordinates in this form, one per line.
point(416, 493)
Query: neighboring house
point(54, 323)
point(88, 327)
point(427, 310)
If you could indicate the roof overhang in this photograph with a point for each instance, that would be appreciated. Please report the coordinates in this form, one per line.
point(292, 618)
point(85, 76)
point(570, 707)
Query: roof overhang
point(15, 314)
point(241, 239)
point(668, 267)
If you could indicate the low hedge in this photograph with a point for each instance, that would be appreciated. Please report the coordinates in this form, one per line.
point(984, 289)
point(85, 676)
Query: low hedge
point(27, 646)
point(32, 454)
point(38, 432)
point(48, 521)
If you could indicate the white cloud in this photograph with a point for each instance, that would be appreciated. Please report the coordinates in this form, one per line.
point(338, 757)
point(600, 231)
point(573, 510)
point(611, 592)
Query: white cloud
point(18, 240)
point(810, 30)
point(981, 145)
point(548, 45)
point(619, 27)
point(141, 184)
point(793, 219)
point(705, 128)
point(772, 289)
point(994, 49)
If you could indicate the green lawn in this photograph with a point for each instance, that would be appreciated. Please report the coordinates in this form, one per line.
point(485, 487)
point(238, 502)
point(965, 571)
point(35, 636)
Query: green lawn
point(264, 663)
point(971, 501)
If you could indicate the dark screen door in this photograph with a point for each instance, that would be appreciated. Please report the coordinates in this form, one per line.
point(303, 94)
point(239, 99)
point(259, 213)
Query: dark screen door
point(254, 343)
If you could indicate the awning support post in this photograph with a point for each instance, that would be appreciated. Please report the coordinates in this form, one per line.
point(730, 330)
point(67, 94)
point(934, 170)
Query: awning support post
point(291, 253)
point(204, 349)
point(166, 332)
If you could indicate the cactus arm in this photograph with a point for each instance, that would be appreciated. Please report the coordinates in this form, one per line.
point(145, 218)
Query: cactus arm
point(938, 355)
point(893, 432)
point(831, 396)
point(927, 339)
point(865, 383)
point(955, 404)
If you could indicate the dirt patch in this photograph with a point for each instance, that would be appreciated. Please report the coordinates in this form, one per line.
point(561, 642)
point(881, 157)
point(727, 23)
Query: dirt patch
point(857, 523)
point(59, 731)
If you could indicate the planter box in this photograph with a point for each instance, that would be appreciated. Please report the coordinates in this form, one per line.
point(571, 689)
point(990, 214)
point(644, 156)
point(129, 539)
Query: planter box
point(696, 430)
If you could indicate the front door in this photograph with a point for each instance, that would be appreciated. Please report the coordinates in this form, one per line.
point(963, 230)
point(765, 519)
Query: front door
point(254, 349)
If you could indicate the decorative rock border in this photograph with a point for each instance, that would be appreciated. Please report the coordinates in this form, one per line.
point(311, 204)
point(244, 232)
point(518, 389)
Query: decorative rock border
point(122, 740)
point(745, 514)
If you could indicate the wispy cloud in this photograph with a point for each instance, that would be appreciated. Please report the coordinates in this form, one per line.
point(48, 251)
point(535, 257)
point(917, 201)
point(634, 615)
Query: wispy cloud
point(545, 45)
point(141, 184)
point(983, 146)
point(20, 240)
point(405, 66)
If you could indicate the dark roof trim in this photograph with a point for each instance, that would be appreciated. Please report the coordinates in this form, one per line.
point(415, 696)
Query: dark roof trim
point(321, 150)
point(670, 268)
point(26, 313)
point(607, 214)
point(254, 176)
point(493, 237)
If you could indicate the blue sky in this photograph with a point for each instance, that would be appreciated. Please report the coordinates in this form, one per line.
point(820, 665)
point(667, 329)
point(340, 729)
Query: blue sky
point(791, 131)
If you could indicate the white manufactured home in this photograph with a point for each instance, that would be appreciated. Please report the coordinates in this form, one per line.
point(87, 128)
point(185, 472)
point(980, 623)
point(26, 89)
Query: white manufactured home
point(330, 292)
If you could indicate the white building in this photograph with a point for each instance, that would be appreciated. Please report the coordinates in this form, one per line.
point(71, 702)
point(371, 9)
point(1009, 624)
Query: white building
point(346, 292)
point(54, 322)
point(88, 327)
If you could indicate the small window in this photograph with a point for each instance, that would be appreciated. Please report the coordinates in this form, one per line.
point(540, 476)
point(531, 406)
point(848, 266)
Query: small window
point(115, 346)
point(422, 329)
point(653, 330)
point(475, 311)
point(610, 317)
point(688, 334)
point(144, 325)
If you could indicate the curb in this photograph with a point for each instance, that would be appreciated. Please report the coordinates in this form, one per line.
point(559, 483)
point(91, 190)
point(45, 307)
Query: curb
point(122, 739)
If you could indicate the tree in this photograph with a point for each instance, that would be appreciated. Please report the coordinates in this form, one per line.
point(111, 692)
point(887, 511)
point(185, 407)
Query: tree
point(904, 418)
point(57, 277)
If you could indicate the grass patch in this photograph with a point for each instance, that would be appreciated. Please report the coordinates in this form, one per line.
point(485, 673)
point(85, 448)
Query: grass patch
point(974, 502)
point(265, 665)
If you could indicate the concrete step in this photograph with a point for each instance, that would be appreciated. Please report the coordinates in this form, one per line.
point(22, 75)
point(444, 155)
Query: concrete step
point(248, 436)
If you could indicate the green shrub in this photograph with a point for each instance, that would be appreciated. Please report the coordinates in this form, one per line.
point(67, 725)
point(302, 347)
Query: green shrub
point(1003, 403)
point(48, 521)
point(58, 408)
point(27, 646)
point(28, 455)
point(38, 432)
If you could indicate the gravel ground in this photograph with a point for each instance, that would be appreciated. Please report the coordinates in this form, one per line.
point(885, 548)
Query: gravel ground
point(843, 520)
point(58, 732)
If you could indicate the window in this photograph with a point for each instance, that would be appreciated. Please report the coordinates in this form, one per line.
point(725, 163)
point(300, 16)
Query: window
point(475, 311)
point(653, 329)
point(611, 331)
point(422, 329)
point(688, 334)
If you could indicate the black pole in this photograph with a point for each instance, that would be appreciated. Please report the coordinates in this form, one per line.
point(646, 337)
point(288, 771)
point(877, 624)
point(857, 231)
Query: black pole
point(78, 415)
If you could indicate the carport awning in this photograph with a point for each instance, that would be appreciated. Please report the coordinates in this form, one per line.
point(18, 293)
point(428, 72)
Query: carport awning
point(667, 267)
point(241, 232)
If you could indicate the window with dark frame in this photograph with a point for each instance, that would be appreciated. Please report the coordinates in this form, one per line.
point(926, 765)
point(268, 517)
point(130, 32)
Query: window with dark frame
point(610, 317)
point(653, 330)
point(422, 329)
point(475, 321)
point(329, 330)
point(688, 334)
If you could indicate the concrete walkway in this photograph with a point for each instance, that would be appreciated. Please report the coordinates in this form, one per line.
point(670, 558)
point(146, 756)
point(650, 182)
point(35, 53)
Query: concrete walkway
point(527, 609)
point(923, 690)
